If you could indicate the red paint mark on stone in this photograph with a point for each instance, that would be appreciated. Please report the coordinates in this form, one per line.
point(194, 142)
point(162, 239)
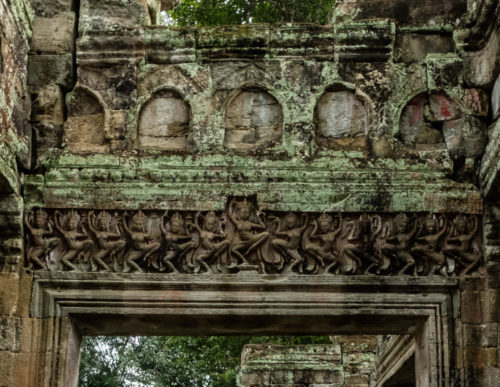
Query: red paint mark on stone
point(416, 106)
point(444, 105)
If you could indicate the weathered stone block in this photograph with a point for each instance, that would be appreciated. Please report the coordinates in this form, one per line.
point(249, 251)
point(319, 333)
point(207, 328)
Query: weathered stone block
point(49, 7)
point(443, 108)
point(9, 334)
point(476, 100)
point(443, 70)
point(103, 14)
point(482, 335)
point(480, 358)
point(410, 48)
point(47, 69)
point(54, 34)
point(48, 105)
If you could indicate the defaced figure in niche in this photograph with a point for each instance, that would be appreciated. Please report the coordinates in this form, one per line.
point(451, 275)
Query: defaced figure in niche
point(459, 246)
point(108, 243)
point(244, 238)
point(212, 243)
point(428, 250)
point(40, 245)
point(141, 243)
point(289, 237)
point(320, 243)
point(77, 244)
point(173, 248)
point(398, 245)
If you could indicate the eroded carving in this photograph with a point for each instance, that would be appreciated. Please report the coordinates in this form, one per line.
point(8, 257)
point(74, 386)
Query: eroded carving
point(243, 238)
point(254, 119)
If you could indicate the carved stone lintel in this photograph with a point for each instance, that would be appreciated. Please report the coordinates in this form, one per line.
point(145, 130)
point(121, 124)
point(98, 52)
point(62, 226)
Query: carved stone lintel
point(244, 239)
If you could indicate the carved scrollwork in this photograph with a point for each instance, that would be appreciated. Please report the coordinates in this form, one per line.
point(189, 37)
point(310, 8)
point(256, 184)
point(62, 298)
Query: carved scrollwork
point(243, 238)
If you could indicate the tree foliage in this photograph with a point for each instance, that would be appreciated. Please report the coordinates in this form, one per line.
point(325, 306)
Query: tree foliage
point(222, 12)
point(204, 361)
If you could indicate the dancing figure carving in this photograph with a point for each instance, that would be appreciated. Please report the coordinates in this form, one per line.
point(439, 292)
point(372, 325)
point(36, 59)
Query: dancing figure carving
point(141, 244)
point(40, 244)
point(77, 244)
point(320, 243)
point(173, 237)
point(289, 237)
point(245, 238)
point(108, 243)
point(398, 246)
point(212, 243)
point(354, 250)
point(428, 246)
point(459, 246)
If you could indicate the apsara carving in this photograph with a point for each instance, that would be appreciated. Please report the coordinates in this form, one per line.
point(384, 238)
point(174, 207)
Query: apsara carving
point(244, 238)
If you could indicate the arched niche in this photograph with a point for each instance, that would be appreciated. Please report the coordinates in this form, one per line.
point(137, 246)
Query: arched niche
point(85, 127)
point(164, 122)
point(435, 119)
point(340, 114)
point(254, 119)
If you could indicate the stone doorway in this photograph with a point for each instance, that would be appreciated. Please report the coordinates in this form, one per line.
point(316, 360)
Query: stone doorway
point(256, 305)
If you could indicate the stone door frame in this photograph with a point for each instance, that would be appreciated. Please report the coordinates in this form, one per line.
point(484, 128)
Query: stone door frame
point(71, 305)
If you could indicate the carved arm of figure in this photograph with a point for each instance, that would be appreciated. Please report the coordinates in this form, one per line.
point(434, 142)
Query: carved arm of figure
point(57, 223)
point(443, 229)
point(27, 223)
point(304, 225)
point(195, 225)
point(376, 226)
point(314, 232)
point(474, 228)
point(230, 213)
point(125, 226)
point(162, 223)
point(91, 222)
point(261, 225)
point(414, 230)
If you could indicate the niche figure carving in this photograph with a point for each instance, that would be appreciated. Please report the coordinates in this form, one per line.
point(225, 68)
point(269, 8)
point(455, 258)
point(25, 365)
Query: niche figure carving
point(77, 244)
point(107, 243)
point(459, 246)
point(40, 244)
point(173, 237)
point(245, 240)
point(141, 244)
point(212, 242)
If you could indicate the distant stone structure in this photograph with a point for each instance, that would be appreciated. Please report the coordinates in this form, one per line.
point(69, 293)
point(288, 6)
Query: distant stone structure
point(283, 179)
point(349, 361)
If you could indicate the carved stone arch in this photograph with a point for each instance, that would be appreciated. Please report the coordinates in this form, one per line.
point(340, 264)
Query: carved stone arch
point(87, 127)
point(164, 121)
point(253, 118)
point(178, 79)
point(342, 114)
point(435, 118)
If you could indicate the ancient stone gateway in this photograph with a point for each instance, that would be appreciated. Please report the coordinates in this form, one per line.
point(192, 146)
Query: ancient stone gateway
point(292, 178)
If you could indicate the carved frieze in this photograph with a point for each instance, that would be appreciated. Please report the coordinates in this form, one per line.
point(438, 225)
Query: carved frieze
point(245, 238)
